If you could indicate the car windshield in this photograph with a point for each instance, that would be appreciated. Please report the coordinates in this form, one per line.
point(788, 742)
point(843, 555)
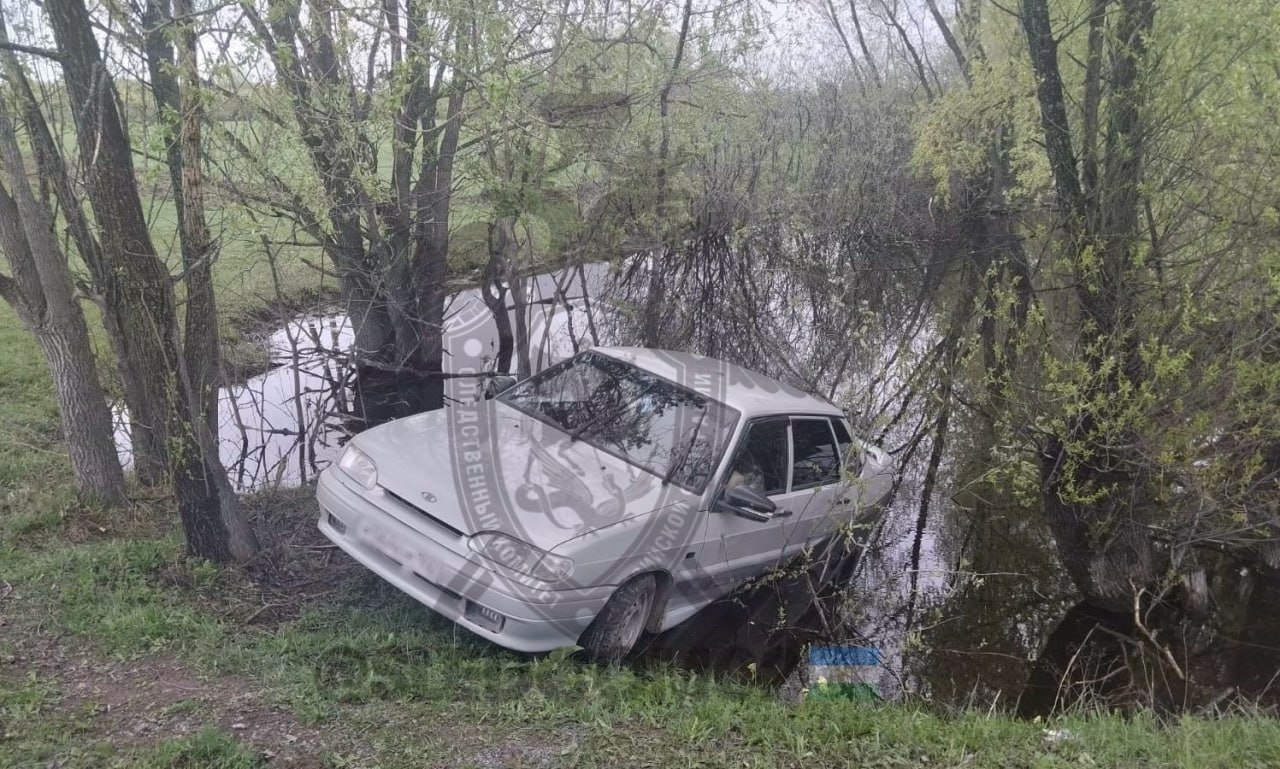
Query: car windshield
point(648, 421)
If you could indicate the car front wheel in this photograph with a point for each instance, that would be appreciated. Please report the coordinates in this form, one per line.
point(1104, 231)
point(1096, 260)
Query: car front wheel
point(619, 624)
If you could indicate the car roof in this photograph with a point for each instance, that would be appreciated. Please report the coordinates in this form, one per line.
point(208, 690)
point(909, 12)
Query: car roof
point(749, 392)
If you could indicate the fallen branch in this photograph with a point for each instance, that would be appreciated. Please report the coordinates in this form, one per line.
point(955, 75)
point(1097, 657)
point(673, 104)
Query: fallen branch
point(1161, 648)
point(417, 374)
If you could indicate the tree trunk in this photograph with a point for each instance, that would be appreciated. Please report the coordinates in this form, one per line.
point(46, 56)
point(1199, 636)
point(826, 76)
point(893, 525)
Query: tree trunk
point(431, 263)
point(495, 298)
point(140, 293)
point(82, 407)
point(49, 310)
point(148, 444)
point(180, 113)
point(433, 193)
point(509, 246)
point(651, 324)
point(143, 295)
point(200, 366)
point(200, 340)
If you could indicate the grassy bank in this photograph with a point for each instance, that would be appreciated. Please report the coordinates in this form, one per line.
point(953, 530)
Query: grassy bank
point(357, 675)
point(117, 651)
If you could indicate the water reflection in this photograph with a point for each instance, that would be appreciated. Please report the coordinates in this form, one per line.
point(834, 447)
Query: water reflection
point(279, 428)
point(958, 622)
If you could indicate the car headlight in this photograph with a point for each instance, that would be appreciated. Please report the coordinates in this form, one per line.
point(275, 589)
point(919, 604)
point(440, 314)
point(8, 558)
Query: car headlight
point(357, 464)
point(521, 557)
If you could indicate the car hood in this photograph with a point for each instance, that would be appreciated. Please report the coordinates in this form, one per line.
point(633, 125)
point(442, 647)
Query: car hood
point(489, 467)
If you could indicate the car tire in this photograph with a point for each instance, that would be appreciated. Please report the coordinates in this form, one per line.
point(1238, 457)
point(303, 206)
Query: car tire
point(619, 624)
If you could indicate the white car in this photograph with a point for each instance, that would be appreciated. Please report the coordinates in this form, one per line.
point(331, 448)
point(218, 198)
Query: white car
point(621, 490)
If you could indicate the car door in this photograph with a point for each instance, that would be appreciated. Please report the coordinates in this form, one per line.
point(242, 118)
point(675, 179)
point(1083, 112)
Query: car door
point(735, 547)
point(816, 488)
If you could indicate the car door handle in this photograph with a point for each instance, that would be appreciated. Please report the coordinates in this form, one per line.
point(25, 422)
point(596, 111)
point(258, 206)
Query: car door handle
point(756, 515)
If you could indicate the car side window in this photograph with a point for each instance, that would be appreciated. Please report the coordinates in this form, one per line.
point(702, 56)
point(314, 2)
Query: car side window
point(761, 460)
point(851, 459)
point(816, 460)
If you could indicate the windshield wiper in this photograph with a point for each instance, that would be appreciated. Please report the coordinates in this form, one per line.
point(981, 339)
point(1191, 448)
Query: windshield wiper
point(688, 449)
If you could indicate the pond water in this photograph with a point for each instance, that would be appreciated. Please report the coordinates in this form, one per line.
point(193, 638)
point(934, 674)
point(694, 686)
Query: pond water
point(957, 606)
point(281, 427)
point(955, 601)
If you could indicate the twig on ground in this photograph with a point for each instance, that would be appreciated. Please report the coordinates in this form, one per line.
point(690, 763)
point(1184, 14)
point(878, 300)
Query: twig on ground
point(259, 611)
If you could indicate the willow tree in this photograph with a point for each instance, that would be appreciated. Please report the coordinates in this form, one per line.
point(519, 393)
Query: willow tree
point(135, 287)
point(41, 291)
point(1096, 497)
point(384, 227)
point(1157, 338)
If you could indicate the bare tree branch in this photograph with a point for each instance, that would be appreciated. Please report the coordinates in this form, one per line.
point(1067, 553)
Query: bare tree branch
point(31, 50)
point(950, 38)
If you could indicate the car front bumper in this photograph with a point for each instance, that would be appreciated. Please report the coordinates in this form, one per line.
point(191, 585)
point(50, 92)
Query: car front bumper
point(438, 571)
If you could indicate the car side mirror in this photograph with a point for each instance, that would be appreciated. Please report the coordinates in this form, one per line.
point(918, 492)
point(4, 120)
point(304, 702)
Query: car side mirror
point(746, 499)
point(497, 384)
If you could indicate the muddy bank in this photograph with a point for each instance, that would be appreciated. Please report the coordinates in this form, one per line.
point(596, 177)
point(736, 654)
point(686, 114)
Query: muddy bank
point(246, 344)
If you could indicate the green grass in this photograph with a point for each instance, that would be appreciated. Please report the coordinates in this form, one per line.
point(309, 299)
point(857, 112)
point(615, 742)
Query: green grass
point(210, 749)
point(371, 662)
point(116, 592)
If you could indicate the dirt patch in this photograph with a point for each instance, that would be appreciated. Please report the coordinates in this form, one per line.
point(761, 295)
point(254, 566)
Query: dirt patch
point(156, 697)
point(297, 565)
point(295, 568)
point(523, 749)
point(140, 702)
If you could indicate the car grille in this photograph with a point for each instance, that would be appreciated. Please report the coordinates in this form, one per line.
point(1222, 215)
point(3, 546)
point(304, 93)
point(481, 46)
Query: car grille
point(424, 514)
